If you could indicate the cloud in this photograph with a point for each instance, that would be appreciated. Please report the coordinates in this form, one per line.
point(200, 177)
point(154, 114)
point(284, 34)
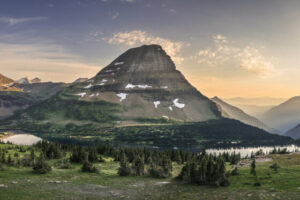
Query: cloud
point(14, 21)
point(137, 37)
point(172, 10)
point(114, 15)
point(248, 58)
point(44, 60)
point(128, 1)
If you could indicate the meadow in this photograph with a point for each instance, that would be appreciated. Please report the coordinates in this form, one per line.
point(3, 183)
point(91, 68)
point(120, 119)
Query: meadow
point(22, 183)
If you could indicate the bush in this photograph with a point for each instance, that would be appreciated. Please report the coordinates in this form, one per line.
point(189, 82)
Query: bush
point(235, 172)
point(124, 169)
point(65, 164)
point(3, 167)
point(157, 172)
point(257, 184)
point(41, 167)
point(89, 167)
point(275, 167)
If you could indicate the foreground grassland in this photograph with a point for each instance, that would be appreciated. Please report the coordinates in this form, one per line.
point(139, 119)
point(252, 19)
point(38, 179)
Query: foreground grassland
point(22, 183)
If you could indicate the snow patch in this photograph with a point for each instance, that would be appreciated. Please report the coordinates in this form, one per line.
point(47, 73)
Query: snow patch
point(81, 94)
point(164, 87)
point(156, 103)
point(131, 86)
point(103, 81)
point(170, 108)
point(119, 63)
point(88, 86)
point(122, 96)
point(90, 81)
point(97, 94)
point(165, 116)
point(92, 95)
point(109, 70)
point(177, 104)
point(144, 86)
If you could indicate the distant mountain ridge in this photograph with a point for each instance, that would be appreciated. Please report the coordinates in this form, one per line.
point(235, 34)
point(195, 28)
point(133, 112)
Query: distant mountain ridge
point(233, 112)
point(294, 132)
point(4, 80)
point(284, 116)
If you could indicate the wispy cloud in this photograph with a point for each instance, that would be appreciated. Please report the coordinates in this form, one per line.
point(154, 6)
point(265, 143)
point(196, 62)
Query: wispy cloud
point(14, 21)
point(114, 15)
point(128, 1)
point(138, 37)
point(248, 58)
point(44, 60)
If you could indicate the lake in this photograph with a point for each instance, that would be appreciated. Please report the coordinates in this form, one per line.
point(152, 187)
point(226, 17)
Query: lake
point(247, 151)
point(22, 139)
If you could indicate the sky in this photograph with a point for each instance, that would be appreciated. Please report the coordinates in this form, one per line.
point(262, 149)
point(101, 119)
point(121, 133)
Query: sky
point(225, 48)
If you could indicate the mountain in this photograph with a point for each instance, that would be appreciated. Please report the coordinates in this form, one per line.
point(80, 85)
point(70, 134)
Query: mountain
point(284, 116)
point(255, 106)
point(294, 132)
point(138, 99)
point(36, 80)
point(140, 85)
point(232, 112)
point(25, 95)
point(80, 80)
point(262, 101)
point(24, 80)
point(4, 80)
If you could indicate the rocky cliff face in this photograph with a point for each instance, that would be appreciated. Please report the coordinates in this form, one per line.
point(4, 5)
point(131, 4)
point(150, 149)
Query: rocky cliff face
point(145, 82)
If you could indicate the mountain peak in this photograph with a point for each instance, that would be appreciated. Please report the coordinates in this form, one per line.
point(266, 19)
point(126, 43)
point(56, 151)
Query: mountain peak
point(4, 80)
point(145, 58)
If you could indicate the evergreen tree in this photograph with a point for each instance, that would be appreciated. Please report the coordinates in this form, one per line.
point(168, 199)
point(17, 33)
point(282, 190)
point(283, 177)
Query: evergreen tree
point(124, 169)
point(9, 160)
point(253, 166)
point(41, 167)
point(138, 166)
point(3, 160)
point(32, 156)
point(87, 166)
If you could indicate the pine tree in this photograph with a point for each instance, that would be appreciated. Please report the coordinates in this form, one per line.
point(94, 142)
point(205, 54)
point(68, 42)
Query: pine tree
point(41, 167)
point(138, 166)
point(9, 160)
point(3, 160)
point(88, 166)
point(253, 166)
point(124, 169)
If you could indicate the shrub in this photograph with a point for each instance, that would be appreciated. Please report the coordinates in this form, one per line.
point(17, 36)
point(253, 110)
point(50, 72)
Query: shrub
point(89, 167)
point(275, 167)
point(124, 169)
point(257, 184)
point(235, 172)
point(41, 167)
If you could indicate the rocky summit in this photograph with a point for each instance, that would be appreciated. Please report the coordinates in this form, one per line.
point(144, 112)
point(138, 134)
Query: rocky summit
point(145, 82)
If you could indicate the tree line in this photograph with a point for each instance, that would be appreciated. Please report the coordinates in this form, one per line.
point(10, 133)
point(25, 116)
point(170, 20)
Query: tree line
point(198, 168)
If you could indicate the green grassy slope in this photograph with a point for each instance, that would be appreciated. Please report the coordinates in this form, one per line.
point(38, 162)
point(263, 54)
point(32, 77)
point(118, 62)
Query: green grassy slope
point(22, 183)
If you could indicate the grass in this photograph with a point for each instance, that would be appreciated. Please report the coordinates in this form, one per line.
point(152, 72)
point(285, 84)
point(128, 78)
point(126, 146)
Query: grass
point(73, 184)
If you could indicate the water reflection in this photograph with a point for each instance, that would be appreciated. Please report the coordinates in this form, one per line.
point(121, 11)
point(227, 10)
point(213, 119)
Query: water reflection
point(247, 151)
point(22, 139)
